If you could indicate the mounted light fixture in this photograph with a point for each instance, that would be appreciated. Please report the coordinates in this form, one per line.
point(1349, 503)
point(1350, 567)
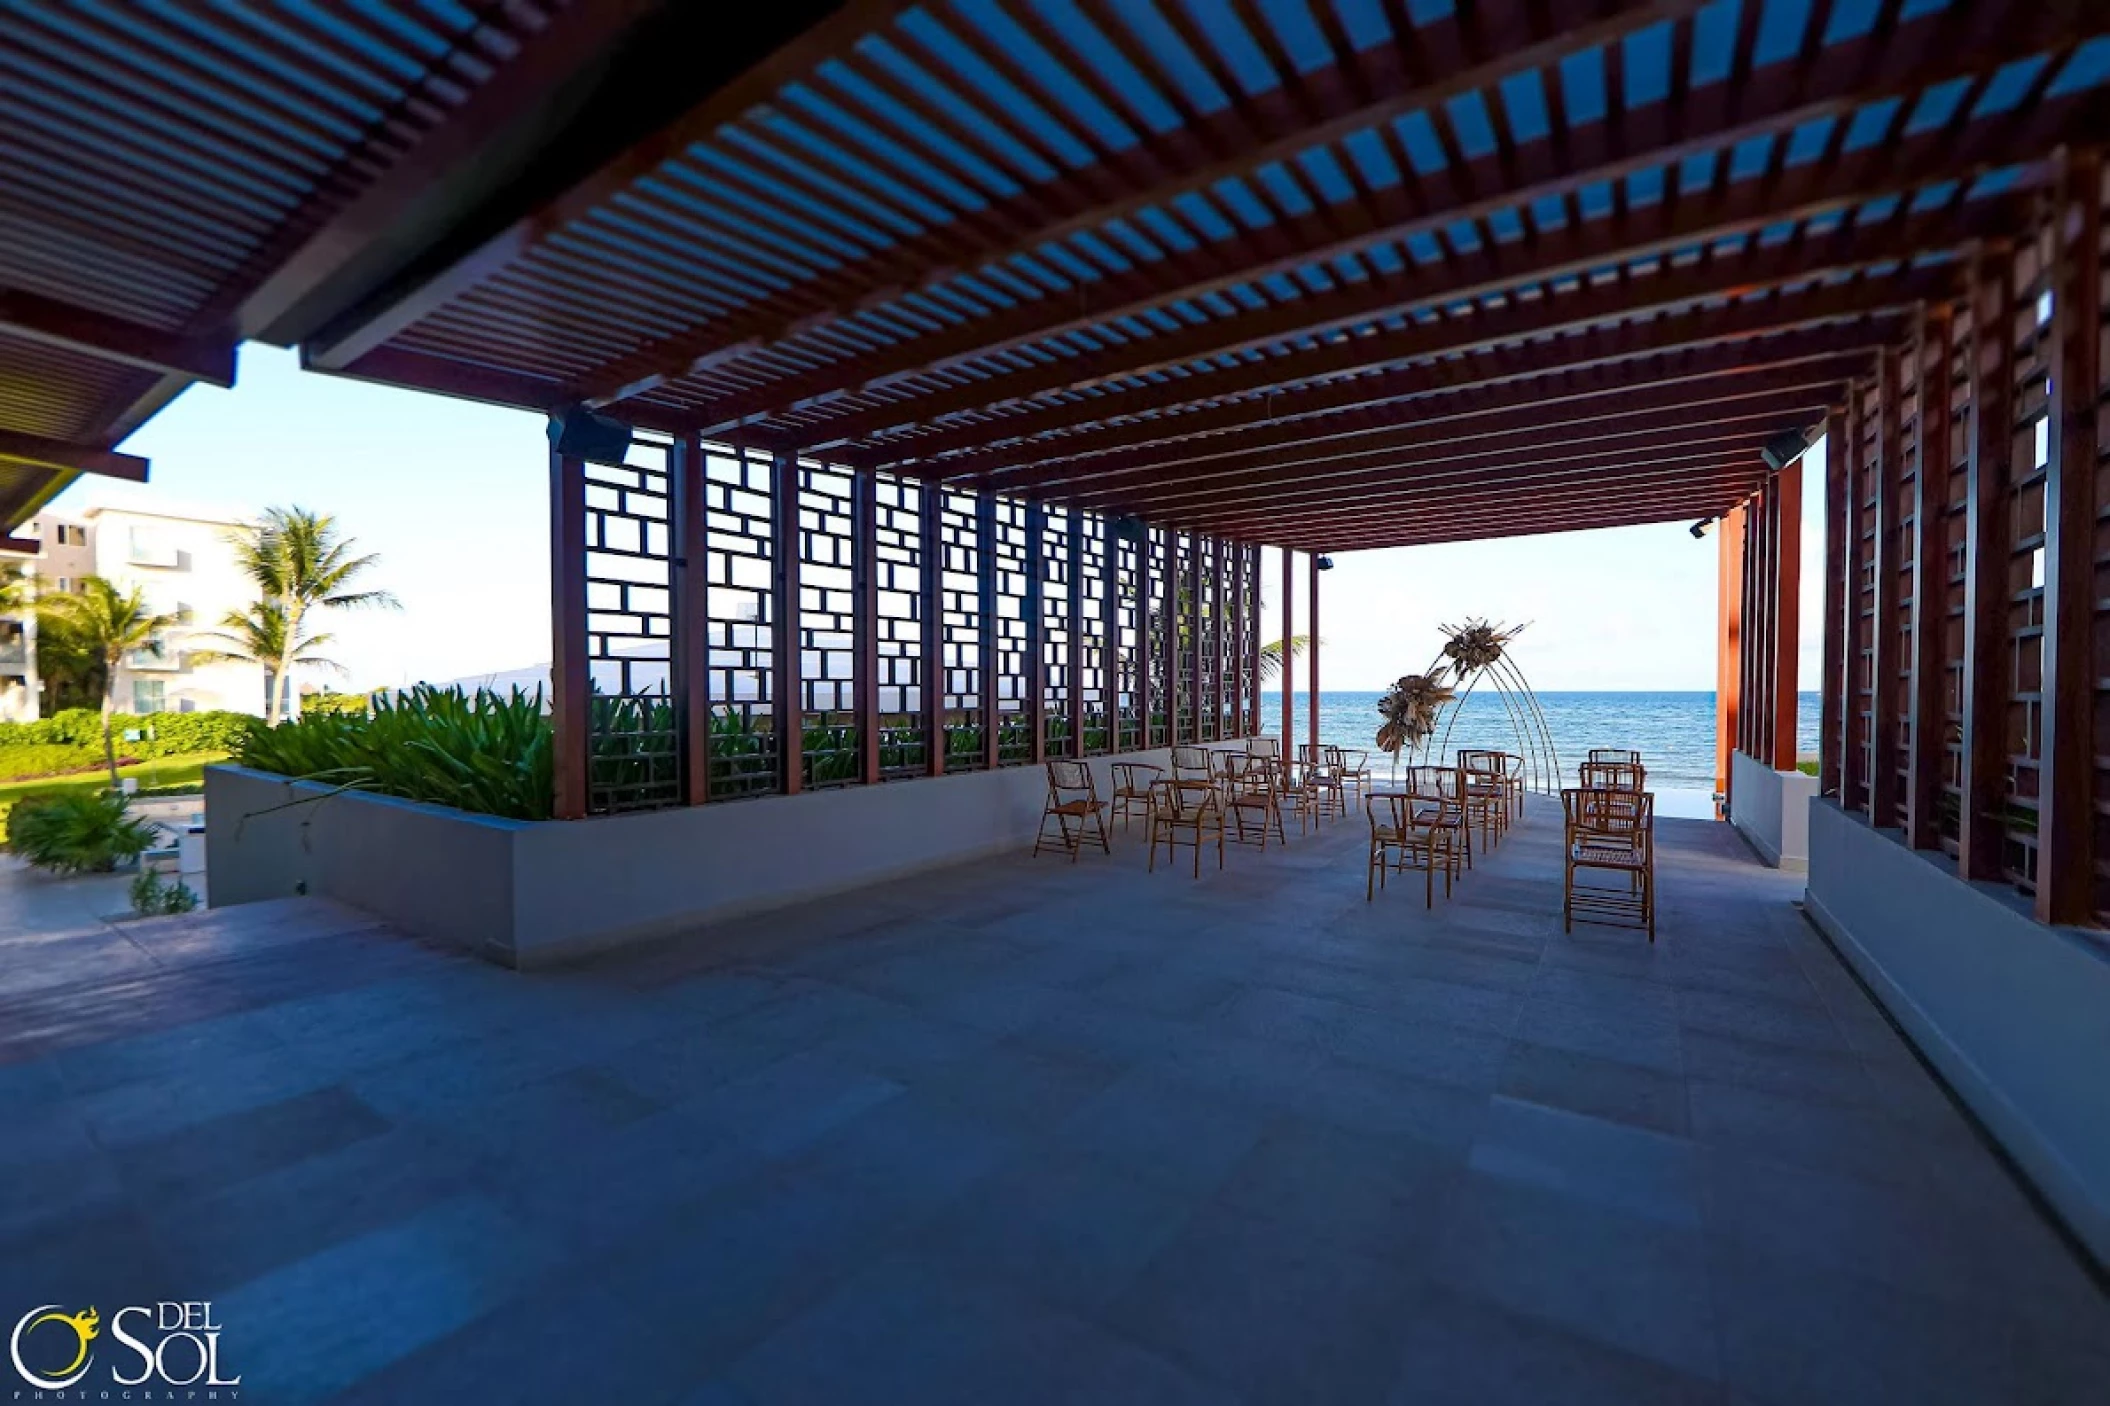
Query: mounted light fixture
point(579, 433)
point(1784, 449)
point(1128, 528)
point(1701, 528)
point(1325, 563)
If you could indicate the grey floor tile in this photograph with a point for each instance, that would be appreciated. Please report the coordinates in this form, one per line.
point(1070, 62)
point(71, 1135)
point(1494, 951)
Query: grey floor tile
point(1646, 1174)
point(1630, 1283)
point(1462, 1351)
point(1161, 1130)
point(1630, 1036)
point(1602, 1088)
point(1273, 1313)
point(1377, 1195)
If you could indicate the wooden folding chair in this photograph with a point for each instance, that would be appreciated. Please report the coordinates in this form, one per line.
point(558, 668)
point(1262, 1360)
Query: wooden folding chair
point(1252, 801)
point(1190, 806)
point(1403, 837)
point(1132, 783)
point(1614, 754)
point(1615, 831)
point(1075, 807)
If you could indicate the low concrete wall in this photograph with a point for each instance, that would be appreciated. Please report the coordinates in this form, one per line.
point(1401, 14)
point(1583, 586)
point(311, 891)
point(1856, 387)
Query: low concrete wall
point(2015, 1015)
point(1771, 809)
point(533, 893)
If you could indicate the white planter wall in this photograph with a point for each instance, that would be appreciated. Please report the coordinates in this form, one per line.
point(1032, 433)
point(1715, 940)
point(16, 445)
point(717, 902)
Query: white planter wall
point(1771, 809)
point(531, 894)
point(2015, 1015)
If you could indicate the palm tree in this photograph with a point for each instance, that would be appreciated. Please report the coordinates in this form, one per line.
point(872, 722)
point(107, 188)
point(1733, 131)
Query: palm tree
point(108, 624)
point(259, 636)
point(300, 562)
point(1272, 655)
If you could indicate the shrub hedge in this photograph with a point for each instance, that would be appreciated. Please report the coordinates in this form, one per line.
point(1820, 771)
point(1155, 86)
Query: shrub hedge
point(161, 735)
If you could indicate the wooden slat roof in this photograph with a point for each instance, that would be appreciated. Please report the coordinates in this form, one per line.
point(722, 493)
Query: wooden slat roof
point(1324, 273)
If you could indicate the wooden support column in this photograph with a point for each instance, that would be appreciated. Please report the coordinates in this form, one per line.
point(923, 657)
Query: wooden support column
point(985, 637)
point(1831, 710)
point(1219, 622)
point(1311, 711)
point(1144, 660)
point(1751, 693)
point(1728, 644)
point(1884, 640)
point(1786, 645)
point(1036, 680)
point(1985, 590)
point(1237, 647)
point(1169, 646)
point(1853, 784)
point(1254, 727)
point(787, 688)
point(930, 526)
point(691, 642)
point(1197, 613)
point(1927, 722)
point(864, 605)
point(571, 685)
point(1288, 671)
point(1074, 687)
point(2066, 783)
point(1109, 620)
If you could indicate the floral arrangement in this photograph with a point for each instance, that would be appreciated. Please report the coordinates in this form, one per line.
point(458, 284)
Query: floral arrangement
point(1476, 645)
point(1409, 709)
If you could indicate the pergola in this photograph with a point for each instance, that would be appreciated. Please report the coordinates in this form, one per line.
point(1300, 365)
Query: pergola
point(976, 350)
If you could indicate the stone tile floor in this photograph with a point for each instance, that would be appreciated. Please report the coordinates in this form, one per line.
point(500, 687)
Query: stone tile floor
point(1033, 1132)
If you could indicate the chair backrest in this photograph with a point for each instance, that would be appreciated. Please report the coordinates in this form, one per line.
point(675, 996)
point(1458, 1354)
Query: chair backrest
point(1480, 761)
point(1612, 776)
point(1614, 754)
point(1184, 798)
point(1314, 755)
point(1263, 747)
point(1190, 763)
point(1134, 778)
point(1603, 811)
point(1247, 774)
point(1389, 813)
point(1353, 760)
point(1432, 783)
point(1069, 779)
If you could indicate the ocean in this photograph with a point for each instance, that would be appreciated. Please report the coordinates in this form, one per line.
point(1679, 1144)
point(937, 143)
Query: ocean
point(1674, 732)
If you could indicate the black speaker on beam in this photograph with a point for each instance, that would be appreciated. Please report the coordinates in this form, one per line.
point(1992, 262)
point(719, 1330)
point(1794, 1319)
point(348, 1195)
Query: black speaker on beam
point(579, 433)
point(1129, 529)
point(1784, 449)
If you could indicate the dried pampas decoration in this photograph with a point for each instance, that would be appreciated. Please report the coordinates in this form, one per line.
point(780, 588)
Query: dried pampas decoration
point(1409, 709)
point(1476, 645)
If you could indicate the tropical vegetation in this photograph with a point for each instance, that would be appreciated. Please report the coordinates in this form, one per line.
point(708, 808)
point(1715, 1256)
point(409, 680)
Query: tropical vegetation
point(300, 562)
point(106, 623)
point(77, 832)
point(152, 898)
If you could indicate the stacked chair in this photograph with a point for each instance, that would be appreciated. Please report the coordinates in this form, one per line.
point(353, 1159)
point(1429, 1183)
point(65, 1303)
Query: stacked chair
point(1610, 828)
point(1074, 807)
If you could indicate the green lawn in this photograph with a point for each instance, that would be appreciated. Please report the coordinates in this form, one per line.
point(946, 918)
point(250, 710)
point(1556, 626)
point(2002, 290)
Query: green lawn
point(186, 770)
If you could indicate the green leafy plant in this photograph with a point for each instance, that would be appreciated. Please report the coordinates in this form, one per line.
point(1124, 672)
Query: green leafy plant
point(110, 623)
point(151, 898)
point(76, 832)
point(487, 752)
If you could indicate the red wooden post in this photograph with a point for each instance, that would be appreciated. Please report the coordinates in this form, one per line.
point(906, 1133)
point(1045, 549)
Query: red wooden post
point(1853, 761)
point(1728, 644)
point(1830, 742)
point(787, 688)
point(1237, 647)
point(930, 561)
point(1785, 647)
point(1287, 672)
point(1170, 645)
point(1197, 613)
point(571, 685)
point(985, 638)
point(1927, 727)
point(1985, 593)
point(864, 605)
point(691, 647)
point(1078, 635)
point(1036, 679)
point(1109, 621)
point(1311, 712)
point(1145, 659)
point(1883, 625)
point(2066, 781)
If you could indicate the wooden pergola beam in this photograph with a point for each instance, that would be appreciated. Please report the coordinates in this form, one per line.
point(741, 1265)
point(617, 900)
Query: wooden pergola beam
point(20, 448)
point(1767, 396)
point(1955, 151)
point(1423, 530)
point(1780, 328)
point(1538, 286)
point(35, 318)
point(924, 264)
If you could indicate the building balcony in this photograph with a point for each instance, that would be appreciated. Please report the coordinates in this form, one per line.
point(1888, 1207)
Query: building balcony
point(14, 658)
point(168, 660)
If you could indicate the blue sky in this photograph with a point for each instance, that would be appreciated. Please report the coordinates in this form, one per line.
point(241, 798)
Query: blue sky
point(455, 498)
